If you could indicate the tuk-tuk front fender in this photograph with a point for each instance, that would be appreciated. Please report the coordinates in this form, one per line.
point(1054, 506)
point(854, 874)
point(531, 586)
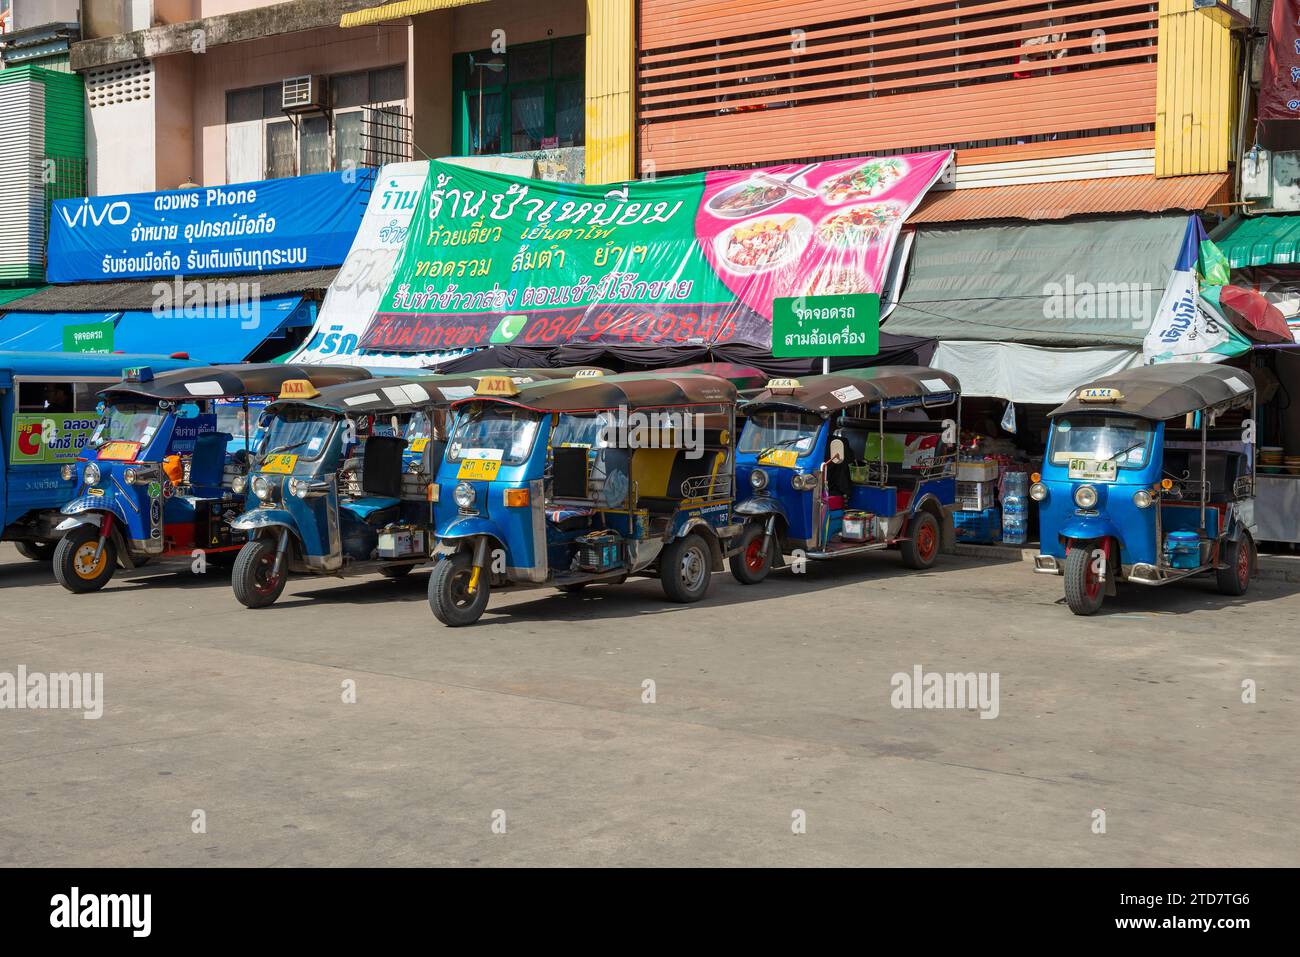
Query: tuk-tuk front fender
point(90, 509)
point(760, 506)
point(469, 526)
point(259, 519)
point(1090, 528)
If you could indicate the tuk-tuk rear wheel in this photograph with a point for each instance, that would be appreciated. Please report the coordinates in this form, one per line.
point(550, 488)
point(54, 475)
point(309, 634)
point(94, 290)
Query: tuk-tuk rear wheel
point(35, 551)
point(1084, 588)
point(449, 596)
point(921, 547)
point(74, 562)
point(253, 578)
point(1234, 576)
point(751, 564)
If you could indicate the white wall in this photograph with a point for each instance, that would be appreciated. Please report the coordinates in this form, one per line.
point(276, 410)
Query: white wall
point(120, 130)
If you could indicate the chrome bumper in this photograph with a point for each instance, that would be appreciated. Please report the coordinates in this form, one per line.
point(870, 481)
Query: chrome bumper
point(1047, 565)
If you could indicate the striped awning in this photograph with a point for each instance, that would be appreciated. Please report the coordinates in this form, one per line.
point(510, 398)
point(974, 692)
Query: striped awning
point(398, 10)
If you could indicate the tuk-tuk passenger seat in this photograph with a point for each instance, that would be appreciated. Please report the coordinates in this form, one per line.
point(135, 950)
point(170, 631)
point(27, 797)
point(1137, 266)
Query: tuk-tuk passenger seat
point(683, 470)
point(381, 481)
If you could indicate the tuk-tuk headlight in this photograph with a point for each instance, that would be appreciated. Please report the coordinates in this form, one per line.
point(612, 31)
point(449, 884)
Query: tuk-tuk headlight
point(1085, 496)
point(238, 484)
point(803, 481)
point(91, 475)
point(298, 488)
point(1142, 498)
point(69, 472)
point(463, 495)
point(758, 479)
point(128, 476)
point(261, 488)
point(1038, 492)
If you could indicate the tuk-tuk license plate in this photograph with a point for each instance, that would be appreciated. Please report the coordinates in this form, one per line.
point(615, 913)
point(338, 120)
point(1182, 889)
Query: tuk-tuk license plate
point(484, 470)
point(97, 492)
point(119, 451)
point(1088, 470)
point(280, 464)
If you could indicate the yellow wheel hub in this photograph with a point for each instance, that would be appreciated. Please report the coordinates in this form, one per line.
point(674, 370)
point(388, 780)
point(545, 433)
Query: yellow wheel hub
point(84, 563)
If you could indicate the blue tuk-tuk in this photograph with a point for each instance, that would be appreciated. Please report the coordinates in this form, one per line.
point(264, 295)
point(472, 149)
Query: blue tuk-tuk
point(341, 480)
point(845, 463)
point(1149, 477)
point(153, 483)
point(595, 480)
point(49, 408)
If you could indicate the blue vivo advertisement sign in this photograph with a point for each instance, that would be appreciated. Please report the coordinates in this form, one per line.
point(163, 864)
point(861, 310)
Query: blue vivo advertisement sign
point(304, 222)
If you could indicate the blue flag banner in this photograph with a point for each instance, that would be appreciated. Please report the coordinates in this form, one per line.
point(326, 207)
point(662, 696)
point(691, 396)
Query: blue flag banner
point(302, 222)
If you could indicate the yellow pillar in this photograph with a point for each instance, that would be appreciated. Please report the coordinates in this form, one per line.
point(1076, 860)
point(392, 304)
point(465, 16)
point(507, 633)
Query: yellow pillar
point(610, 56)
point(1194, 91)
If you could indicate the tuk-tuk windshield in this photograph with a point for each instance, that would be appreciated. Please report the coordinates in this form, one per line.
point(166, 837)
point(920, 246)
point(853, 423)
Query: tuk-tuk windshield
point(231, 419)
point(417, 427)
point(1102, 438)
point(779, 429)
point(297, 432)
point(486, 432)
point(127, 422)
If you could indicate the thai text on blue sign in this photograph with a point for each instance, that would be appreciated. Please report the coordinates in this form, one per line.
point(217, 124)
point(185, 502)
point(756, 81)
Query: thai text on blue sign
point(302, 222)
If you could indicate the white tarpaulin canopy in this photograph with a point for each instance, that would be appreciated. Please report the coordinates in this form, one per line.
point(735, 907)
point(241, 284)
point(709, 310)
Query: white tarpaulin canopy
point(1034, 374)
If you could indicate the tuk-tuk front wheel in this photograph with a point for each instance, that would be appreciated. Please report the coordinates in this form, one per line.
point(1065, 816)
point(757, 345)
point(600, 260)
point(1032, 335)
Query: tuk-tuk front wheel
point(254, 578)
point(75, 564)
point(750, 565)
point(450, 597)
point(35, 551)
point(684, 569)
point(1084, 588)
point(1238, 559)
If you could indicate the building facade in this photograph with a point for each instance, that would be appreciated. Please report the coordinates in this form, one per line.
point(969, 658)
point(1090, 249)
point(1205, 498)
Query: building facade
point(222, 91)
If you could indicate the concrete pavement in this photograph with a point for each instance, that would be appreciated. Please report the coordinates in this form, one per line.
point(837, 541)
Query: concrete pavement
point(769, 701)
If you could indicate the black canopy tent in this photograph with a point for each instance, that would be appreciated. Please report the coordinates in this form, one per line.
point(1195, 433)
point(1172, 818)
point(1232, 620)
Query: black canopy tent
point(894, 350)
point(1162, 391)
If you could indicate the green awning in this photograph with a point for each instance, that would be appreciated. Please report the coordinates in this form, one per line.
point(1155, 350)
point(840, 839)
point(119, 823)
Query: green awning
point(1259, 240)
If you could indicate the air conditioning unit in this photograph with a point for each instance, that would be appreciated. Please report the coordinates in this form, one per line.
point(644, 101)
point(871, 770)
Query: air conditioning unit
point(1272, 180)
point(303, 94)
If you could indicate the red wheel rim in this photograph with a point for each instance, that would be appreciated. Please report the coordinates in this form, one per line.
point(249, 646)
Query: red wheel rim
point(264, 577)
point(754, 555)
point(926, 541)
point(1091, 580)
point(1243, 563)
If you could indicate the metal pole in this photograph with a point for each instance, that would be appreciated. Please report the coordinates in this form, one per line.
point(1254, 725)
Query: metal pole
point(1205, 419)
point(826, 365)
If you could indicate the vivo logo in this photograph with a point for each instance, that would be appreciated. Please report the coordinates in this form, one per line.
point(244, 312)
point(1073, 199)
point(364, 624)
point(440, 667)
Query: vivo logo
point(115, 214)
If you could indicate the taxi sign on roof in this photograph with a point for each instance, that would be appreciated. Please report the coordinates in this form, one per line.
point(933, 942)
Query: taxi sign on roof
point(298, 389)
point(1094, 394)
point(497, 385)
point(782, 385)
point(588, 373)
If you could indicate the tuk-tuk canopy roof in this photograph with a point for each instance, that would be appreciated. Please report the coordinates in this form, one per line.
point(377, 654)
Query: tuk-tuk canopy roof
point(630, 390)
point(1162, 391)
point(226, 381)
point(405, 393)
point(827, 394)
point(73, 364)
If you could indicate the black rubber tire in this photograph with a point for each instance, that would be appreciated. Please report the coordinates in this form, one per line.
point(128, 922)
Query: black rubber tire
point(36, 551)
point(1082, 593)
point(396, 571)
point(920, 549)
point(688, 548)
point(1234, 578)
point(447, 592)
point(76, 540)
point(751, 564)
point(251, 577)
